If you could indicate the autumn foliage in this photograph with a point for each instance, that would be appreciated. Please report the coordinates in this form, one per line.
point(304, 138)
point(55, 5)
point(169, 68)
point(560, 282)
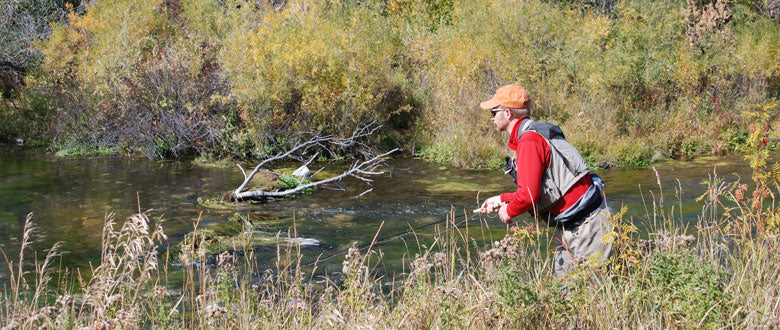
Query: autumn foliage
point(629, 82)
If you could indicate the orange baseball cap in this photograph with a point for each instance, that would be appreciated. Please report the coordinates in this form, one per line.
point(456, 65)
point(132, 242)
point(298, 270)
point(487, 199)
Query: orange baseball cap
point(510, 96)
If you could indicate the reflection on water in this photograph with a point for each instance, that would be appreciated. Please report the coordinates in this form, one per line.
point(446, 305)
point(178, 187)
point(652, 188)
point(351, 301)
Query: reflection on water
point(71, 197)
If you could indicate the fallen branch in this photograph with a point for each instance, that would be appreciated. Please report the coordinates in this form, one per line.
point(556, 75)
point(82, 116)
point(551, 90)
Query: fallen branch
point(357, 170)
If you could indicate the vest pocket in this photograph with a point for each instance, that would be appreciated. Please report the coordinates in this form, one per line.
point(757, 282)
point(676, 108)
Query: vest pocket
point(549, 194)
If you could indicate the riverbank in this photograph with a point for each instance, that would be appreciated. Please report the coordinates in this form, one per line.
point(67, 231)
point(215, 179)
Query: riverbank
point(593, 162)
point(722, 275)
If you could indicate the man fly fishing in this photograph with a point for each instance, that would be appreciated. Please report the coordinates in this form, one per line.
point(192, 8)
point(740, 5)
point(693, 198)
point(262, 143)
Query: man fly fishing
point(553, 182)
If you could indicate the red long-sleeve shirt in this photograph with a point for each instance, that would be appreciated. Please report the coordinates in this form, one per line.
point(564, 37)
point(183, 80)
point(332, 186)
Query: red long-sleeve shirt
point(533, 158)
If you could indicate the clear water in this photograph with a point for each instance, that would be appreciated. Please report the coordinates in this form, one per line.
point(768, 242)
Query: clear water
point(69, 199)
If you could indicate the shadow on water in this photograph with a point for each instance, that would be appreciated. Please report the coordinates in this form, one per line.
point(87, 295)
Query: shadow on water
point(71, 197)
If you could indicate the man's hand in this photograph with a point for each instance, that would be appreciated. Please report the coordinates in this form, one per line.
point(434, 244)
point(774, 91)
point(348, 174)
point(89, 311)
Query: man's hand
point(504, 215)
point(490, 205)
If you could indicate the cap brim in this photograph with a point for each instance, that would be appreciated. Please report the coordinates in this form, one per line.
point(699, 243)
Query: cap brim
point(489, 104)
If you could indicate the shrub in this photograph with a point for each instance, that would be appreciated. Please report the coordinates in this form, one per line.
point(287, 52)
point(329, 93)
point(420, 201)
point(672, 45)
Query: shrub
point(691, 291)
point(326, 69)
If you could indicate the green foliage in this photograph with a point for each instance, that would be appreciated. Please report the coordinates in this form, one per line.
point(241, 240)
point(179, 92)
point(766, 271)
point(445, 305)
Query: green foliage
point(513, 293)
point(689, 148)
point(736, 139)
point(450, 312)
point(155, 87)
point(437, 153)
point(76, 149)
point(632, 155)
point(589, 153)
point(430, 14)
point(691, 291)
point(292, 181)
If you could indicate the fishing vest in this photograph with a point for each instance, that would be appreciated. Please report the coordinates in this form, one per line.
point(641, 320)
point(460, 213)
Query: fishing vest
point(566, 165)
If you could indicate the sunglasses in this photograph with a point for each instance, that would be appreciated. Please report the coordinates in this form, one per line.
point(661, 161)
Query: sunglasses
point(493, 112)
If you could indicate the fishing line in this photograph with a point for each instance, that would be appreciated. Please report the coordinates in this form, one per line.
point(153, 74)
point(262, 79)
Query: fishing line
point(396, 236)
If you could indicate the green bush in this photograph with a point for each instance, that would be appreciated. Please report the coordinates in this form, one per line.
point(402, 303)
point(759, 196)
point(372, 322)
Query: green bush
point(292, 181)
point(513, 293)
point(690, 290)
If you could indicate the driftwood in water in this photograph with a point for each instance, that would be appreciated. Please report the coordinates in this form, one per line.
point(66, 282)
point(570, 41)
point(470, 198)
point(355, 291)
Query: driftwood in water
point(358, 169)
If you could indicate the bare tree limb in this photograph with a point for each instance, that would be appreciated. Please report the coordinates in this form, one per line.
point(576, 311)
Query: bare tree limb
point(318, 171)
point(312, 159)
point(339, 188)
point(355, 168)
point(242, 170)
point(322, 142)
point(248, 178)
point(363, 193)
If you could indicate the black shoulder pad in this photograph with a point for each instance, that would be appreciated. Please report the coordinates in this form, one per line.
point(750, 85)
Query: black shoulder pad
point(549, 131)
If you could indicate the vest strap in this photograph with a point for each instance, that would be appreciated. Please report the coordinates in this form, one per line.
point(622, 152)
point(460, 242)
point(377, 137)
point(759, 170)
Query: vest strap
point(522, 128)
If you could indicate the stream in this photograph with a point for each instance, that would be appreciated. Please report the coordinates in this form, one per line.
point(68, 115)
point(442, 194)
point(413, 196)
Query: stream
point(70, 198)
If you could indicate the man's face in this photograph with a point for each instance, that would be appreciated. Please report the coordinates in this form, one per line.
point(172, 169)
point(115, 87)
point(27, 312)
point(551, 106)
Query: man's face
point(501, 118)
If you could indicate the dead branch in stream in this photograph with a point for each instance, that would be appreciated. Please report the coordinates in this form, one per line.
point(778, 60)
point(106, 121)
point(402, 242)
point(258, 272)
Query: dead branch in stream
point(317, 144)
